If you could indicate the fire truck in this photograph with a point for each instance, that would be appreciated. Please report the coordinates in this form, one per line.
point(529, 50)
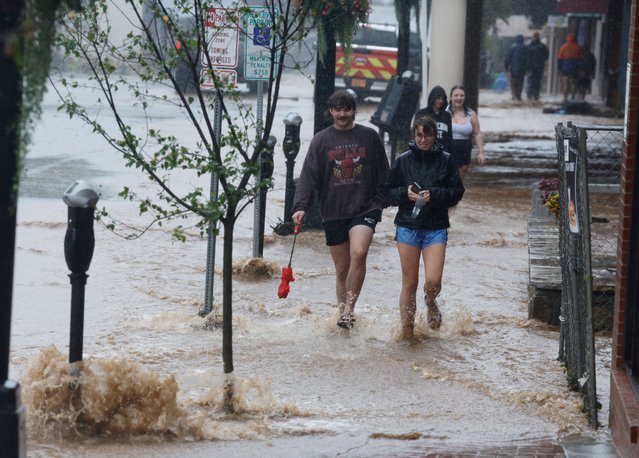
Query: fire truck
point(374, 60)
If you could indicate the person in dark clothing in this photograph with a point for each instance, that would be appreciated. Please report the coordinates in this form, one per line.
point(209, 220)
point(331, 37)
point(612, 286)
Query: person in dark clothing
point(586, 69)
point(537, 57)
point(516, 65)
point(436, 108)
point(424, 183)
point(346, 165)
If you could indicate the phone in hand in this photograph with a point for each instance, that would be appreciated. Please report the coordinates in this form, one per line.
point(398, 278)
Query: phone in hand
point(415, 188)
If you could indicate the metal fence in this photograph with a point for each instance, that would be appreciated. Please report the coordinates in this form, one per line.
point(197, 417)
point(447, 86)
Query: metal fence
point(589, 161)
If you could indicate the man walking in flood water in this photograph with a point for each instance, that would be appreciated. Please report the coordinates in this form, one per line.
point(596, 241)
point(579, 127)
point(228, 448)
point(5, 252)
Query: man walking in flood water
point(346, 165)
point(516, 64)
point(537, 57)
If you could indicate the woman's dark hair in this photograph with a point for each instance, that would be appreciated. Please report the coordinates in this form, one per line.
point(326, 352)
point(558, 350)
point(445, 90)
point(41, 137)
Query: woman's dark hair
point(450, 105)
point(429, 126)
point(434, 94)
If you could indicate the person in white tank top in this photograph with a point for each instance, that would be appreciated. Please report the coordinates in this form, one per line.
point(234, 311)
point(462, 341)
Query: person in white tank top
point(466, 129)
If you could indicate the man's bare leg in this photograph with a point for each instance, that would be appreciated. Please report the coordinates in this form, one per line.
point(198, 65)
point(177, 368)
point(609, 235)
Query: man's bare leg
point(342, 261)
point(350, 266)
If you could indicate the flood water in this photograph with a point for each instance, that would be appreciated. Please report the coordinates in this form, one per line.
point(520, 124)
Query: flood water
point(152, 379)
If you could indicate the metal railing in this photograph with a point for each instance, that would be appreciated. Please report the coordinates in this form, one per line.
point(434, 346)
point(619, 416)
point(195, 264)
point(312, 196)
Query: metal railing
point(589, 162)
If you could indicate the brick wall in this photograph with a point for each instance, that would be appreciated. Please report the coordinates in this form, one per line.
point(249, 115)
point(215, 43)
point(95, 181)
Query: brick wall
point(624, 405)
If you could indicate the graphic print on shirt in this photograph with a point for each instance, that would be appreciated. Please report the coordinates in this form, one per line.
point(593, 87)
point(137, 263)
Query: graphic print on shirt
point(346, 162)
point(441, 128)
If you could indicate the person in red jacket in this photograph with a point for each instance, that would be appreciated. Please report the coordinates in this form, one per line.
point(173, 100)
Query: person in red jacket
point(569, 58)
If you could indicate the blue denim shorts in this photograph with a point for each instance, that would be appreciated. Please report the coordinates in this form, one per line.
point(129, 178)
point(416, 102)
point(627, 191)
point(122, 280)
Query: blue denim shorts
point(421, 238)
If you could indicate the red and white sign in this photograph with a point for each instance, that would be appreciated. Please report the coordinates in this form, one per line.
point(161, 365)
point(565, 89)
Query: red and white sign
point(221, 34)
point(228, 76)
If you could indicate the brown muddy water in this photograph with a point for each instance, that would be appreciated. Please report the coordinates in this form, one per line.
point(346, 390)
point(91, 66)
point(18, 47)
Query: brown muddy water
point(152, 380)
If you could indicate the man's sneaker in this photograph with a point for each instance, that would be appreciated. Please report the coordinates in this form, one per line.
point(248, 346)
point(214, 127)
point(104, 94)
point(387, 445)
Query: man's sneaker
point(346, 321)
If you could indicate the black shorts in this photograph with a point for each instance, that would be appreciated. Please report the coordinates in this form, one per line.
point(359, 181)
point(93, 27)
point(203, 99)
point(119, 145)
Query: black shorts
point(337, 231)
point(460, 151)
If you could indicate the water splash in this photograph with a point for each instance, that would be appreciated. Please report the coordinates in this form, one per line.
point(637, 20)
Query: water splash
point(106, 397)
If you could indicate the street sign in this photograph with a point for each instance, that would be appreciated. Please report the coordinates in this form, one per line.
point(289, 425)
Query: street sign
point(259, 41)
point(221, 35)
point(228, 77)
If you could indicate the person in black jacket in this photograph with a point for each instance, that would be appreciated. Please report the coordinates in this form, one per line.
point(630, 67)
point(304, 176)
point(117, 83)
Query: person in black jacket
point(537, 57)
point(516, 63)
point(436, 108)
point(424, 183)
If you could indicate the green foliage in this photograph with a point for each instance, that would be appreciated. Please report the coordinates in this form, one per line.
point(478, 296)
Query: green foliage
point(344, 16)
point(155, 70)
point(494, 10)
point(35, 60)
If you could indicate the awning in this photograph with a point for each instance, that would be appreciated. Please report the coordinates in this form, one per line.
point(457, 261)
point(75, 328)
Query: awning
point(582, 6)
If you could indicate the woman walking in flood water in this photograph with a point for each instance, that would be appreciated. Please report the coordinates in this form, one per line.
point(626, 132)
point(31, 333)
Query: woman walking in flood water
point(424, 183)
point(465, 125)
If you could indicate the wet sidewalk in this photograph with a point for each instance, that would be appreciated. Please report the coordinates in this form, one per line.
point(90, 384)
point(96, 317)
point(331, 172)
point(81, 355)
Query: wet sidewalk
point(543, 449)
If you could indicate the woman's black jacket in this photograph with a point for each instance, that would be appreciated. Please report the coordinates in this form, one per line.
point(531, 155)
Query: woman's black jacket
point(434, 170)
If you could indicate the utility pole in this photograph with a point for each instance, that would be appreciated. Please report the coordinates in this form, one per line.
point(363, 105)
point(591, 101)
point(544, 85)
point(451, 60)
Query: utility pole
point(472, 51)
point(12, 422)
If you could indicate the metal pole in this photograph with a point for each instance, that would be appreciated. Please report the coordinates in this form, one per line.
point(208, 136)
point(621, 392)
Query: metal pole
point(12, 413)
point(257, 205)
point(581, 171)
point(211, 239)
point(76, 334)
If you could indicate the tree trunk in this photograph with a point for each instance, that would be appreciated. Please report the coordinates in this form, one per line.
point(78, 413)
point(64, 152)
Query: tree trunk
point(227, 296)
point(227, 311)
point(10, 102)
point(324, 78)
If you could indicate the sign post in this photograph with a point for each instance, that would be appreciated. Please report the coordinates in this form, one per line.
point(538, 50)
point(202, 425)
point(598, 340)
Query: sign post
point(221, 34)
point(260, 46)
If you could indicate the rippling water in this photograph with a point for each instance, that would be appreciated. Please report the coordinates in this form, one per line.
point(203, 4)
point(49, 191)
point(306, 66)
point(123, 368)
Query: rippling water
point(152, 383)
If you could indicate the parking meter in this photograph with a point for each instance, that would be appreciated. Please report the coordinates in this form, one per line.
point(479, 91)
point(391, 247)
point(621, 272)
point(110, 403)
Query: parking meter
point(79, 242)
point(267, 165)
point(291, 147)
point(266, 172)
point(396, 109)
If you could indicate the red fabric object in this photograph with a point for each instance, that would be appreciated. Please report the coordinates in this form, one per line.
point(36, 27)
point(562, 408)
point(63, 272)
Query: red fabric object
point(570, 49)
point(287, 277)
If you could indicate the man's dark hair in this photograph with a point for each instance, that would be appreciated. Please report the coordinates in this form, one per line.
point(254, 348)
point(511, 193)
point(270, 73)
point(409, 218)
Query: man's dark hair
point(342, 99)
